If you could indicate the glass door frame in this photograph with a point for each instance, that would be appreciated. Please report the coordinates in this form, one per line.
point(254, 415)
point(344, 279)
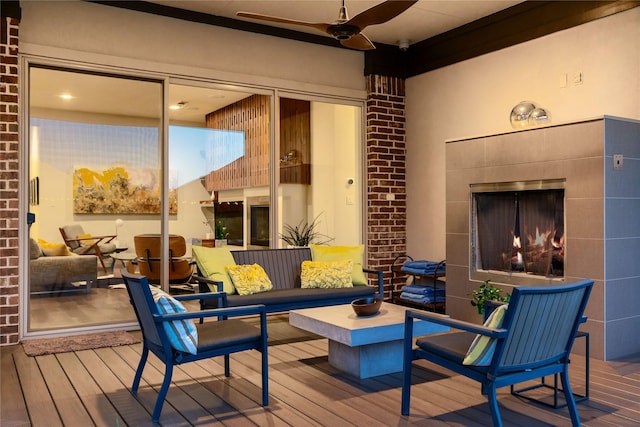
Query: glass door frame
point(166, 79)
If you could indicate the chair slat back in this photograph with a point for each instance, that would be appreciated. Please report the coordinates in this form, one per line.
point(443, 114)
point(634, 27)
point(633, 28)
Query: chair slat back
point(144, 307)
point(542, 323)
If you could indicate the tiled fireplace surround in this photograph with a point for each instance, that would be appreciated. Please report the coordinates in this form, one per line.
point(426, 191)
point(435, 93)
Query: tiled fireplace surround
point(602, 216)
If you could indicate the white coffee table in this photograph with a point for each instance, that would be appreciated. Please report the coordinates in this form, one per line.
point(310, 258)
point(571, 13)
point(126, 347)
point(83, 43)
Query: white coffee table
point(363, 346)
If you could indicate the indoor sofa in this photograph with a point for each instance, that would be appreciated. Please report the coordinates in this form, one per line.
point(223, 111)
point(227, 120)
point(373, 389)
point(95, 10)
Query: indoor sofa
point(283, 268)
point(57, 274)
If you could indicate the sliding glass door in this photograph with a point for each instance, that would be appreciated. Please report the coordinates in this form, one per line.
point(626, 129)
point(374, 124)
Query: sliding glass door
point(127, 172)
point(95, 180)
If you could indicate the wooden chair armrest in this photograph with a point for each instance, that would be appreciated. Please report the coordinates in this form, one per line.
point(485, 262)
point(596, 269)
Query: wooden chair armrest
point(97, 239)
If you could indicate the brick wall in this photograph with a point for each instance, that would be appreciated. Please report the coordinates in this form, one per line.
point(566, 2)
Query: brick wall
point(9, 181)
point(386, 176)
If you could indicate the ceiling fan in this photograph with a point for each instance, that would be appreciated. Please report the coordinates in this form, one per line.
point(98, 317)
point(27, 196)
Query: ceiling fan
point(348, 31)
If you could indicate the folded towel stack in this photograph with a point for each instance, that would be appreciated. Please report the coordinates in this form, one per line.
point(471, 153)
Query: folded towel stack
point(423, 294)
point(424, 267)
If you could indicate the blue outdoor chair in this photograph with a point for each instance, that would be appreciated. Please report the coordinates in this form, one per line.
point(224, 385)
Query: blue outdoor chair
point(535, 340)
point(214, 338)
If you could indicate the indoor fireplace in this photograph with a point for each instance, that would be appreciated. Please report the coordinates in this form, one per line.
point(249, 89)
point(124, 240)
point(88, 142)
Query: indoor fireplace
point(517, 228)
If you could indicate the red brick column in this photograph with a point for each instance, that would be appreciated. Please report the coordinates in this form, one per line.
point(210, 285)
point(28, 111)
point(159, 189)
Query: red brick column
point(386, 174)
point(9, 181)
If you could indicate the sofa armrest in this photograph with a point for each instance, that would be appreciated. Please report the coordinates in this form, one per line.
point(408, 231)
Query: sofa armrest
point(380, 279)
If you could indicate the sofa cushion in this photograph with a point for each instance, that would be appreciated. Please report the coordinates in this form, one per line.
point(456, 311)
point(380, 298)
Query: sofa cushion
point(249, 279)
point(212, 262)
point(293, 296)
point(54, 249)
point(342, 253)
point(319, 274)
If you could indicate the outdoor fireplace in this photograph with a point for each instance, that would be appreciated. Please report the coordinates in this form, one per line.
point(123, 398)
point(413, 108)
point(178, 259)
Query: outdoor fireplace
point(518, 228)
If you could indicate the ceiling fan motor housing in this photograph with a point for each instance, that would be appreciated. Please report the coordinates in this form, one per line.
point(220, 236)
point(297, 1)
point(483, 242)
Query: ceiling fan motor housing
point(342, 31)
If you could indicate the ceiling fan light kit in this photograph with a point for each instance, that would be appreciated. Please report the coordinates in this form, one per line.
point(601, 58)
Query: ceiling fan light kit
point(348, 31)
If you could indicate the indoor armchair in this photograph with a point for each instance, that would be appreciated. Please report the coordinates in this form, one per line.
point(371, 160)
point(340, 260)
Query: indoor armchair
point(82, 243)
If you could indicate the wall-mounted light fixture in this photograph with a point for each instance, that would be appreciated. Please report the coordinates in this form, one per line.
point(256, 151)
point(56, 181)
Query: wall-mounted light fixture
point(526, 113)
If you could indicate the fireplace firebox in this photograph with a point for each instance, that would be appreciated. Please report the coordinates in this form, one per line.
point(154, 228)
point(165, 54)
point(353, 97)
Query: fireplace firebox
point(518, 228)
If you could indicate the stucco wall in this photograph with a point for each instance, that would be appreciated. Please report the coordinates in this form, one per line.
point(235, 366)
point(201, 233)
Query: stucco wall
point(91, 32)
point(475, 97)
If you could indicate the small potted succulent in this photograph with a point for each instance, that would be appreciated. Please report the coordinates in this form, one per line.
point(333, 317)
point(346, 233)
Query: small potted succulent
point(485, 294)
point(221, 235)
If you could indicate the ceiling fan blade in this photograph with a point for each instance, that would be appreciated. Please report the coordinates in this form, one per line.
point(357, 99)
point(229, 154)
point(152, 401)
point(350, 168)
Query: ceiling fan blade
point(318, 26)
point(381, 13)
point(359, 41)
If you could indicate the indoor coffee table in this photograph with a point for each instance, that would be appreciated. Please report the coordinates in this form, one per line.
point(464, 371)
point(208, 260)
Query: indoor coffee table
point(364, 346)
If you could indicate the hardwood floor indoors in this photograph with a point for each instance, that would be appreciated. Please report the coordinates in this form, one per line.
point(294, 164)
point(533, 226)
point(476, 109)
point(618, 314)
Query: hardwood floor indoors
point(91, 387)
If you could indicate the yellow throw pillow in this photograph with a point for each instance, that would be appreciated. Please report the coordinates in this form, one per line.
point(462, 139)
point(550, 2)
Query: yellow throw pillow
point(87, 242)
point(212, 262)
point(333, 274)
point(53, 249)
point(249, 279)
point(342, 253)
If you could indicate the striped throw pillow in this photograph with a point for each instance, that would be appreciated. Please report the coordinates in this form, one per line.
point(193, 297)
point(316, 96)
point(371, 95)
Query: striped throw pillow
point(481, 349)
point(182, 334)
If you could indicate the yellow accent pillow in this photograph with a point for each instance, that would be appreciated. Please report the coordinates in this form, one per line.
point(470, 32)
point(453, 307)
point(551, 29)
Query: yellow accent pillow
point(85, 242)
point(482, 348)
point(249, 279)
point(342, 253)
point(212, 262)
point(53, 249)
point(320, 274)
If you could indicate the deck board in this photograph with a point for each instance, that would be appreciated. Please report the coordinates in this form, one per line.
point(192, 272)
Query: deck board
point(13, 407)
point(70, 408)
point(92, 387)
point(42, 410)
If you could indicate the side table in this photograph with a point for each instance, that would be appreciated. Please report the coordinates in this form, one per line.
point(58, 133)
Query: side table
point(123, 257)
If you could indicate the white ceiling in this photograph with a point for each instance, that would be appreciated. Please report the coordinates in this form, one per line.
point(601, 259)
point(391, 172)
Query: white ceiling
point(423, 20)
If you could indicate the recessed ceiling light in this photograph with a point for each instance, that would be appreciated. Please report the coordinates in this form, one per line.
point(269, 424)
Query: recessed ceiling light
point(179, 106)
point(66, 96)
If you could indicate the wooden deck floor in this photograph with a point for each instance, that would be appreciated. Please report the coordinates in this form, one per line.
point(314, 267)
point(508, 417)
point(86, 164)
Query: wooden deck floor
point(91, 387)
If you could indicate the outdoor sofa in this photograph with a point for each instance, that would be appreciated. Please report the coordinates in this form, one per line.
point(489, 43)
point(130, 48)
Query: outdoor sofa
point(283, 268)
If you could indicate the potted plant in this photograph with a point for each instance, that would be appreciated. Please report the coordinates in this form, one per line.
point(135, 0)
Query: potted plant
point(221, 235)
point(487, 292)
point(303, 234)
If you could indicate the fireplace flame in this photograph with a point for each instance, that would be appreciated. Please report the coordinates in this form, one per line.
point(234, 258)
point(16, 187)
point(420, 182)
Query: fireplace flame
point(516, 242)
point(540, 239)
